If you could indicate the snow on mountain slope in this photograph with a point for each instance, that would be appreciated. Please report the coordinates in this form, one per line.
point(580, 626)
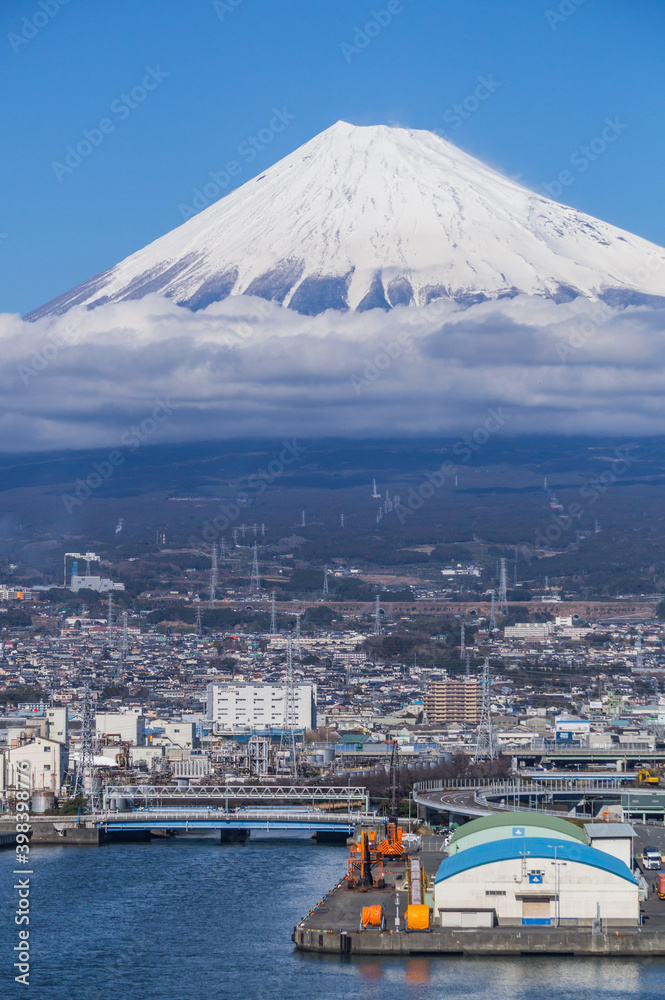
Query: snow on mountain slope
point(374, 217)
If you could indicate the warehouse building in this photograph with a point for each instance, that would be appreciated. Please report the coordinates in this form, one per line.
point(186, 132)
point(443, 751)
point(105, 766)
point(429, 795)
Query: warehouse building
point(535, 880)
point(616, 839)
point(511, 825)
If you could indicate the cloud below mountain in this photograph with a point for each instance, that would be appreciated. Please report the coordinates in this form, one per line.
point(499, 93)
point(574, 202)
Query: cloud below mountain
point(247, 367)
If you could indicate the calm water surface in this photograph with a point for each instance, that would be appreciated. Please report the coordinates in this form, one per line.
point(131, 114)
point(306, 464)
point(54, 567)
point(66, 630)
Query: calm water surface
point(192, 919)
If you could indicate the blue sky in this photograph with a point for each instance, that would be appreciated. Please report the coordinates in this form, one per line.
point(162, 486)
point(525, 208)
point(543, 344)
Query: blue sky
point(218, 71)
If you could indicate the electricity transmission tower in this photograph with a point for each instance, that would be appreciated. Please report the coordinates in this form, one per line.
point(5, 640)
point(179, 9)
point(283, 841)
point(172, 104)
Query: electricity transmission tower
point(212, 588)
point(199, 620)
point(86, 778)
point(273, 617)
point(124, 638)
point(377, 617)
point(503, 589)
point(255, 579)
point(462, 645)
point(492, 614)
point(109, 622)
point(325, 582)
point(639, 653)
point(486, 748)
point(288, 738)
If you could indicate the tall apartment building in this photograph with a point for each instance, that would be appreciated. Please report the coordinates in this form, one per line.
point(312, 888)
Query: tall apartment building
point(259, 706)
point(453, 701)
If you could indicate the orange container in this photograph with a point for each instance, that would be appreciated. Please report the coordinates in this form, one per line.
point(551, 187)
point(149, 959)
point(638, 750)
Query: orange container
point(372, 916)
point(660, 885)
point(416, 917)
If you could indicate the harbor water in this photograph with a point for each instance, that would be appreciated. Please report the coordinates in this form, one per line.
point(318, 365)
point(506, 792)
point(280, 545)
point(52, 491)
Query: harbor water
point(197, 920)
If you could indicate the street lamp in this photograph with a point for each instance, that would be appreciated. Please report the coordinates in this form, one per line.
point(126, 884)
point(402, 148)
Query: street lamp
point(557, 884)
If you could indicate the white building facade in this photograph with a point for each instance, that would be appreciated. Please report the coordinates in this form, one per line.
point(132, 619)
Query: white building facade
point(260, 706)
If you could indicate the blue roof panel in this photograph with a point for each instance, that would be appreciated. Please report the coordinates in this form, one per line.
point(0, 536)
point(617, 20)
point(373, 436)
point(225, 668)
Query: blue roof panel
point(535, 847)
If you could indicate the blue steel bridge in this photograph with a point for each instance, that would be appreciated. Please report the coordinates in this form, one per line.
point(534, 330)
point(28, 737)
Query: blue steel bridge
point(199, 808)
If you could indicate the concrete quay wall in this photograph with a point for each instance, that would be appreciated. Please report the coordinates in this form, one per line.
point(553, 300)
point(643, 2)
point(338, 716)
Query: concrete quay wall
point(55, 830)
point(503, 941)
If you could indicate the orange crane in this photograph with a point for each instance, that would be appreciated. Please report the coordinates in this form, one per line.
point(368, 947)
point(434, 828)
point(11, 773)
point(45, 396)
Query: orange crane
point(365, 864)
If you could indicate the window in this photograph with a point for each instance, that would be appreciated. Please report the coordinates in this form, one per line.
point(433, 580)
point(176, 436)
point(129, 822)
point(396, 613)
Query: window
point(47, 767)
point(47, 749)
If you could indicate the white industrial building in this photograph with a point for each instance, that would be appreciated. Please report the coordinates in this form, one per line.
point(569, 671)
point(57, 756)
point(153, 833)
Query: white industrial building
point(260, 706)
point(129, 727)
point(57, 725)
point(100, 584)
point(535, 880)
point(48, 762)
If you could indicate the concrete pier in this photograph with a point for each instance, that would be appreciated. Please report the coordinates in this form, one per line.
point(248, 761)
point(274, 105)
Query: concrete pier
point(331, 927)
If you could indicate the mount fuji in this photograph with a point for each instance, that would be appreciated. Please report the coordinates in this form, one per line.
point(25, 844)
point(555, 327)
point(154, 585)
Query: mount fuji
point(361, 218)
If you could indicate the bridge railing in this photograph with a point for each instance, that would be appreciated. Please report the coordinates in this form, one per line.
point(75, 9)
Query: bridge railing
point(273, 815)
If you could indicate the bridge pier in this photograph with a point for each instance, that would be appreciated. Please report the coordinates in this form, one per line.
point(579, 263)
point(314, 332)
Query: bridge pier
point(233, 836)
point(330, 837)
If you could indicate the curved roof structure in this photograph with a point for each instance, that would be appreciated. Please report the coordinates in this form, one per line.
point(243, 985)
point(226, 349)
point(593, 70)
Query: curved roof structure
point(514, 824)
point(532, 848)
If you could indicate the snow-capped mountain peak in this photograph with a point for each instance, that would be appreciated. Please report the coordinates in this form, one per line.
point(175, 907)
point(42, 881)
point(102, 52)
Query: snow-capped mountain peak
point(377, 217)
